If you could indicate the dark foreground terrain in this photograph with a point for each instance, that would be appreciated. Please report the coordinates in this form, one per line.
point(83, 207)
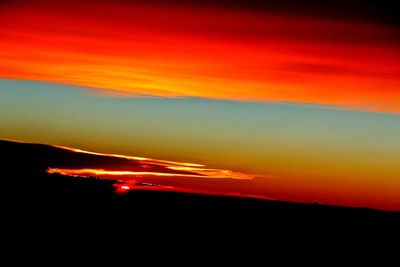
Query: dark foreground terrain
point(33, 197)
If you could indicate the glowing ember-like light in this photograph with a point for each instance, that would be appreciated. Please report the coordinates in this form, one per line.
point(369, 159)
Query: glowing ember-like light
point(123, 188)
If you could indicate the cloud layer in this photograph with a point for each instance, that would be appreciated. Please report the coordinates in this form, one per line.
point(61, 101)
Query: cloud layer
point(172, 50)
point(123, 167)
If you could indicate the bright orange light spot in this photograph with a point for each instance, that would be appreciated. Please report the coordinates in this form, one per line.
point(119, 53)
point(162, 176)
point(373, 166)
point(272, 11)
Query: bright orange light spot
point(123, 188)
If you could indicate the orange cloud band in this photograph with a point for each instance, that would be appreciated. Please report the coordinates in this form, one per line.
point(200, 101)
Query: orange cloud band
point(146, 167)
point(173, 51)
point(199, 173)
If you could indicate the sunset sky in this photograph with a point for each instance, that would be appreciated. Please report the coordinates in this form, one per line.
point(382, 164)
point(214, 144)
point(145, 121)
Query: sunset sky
point(303, 98)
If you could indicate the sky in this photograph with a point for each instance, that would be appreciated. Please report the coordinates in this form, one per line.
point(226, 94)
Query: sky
point(304, 97)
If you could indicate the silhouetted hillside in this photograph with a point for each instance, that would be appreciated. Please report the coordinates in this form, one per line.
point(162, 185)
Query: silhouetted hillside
point(32, 194)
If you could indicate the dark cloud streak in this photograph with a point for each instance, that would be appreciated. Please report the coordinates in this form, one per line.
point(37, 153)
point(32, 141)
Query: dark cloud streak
point(384, 11)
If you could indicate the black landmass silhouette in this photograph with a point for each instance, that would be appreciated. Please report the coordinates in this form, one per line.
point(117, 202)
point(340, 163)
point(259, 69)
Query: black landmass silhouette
point(34, 196)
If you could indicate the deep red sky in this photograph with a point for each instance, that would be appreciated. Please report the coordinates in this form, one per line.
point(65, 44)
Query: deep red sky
point(203, 51)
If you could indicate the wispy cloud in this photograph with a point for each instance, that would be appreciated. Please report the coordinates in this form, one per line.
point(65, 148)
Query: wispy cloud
point(132, 173)
point(138, 167)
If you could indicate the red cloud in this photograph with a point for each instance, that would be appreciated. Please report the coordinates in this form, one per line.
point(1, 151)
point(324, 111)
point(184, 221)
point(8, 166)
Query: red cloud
point(175, 51)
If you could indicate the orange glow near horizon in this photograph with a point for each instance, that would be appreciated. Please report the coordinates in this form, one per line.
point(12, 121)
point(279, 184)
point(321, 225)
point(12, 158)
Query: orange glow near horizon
point(141, 49)
point(201, 180)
